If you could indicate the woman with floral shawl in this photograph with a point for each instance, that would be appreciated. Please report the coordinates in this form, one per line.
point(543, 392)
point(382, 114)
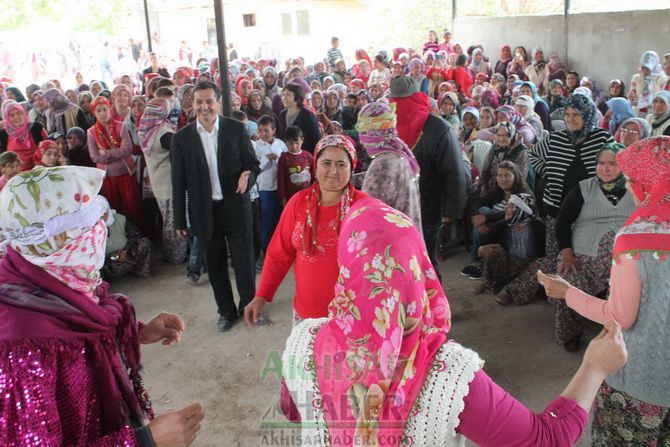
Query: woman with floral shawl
point(633, 406)
point(380, 370)
point(70, 351)
point(307, 234)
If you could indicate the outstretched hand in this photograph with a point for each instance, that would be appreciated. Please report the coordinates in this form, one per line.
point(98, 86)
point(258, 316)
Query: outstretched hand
point(164, 326)
point(554, 286)
point(607, 352)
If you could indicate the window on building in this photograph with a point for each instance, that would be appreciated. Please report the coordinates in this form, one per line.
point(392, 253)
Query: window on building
point(249, 20)
point(286, 24)
point(302, 20)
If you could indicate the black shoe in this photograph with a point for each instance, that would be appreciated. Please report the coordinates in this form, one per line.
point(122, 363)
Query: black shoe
point(469, 270)
point(193, 278)
point(574, 344)
point(475, 274)
point(224, 324)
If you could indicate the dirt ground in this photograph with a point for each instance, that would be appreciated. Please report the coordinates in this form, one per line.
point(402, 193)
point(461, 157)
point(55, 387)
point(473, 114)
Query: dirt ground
point(225, 372)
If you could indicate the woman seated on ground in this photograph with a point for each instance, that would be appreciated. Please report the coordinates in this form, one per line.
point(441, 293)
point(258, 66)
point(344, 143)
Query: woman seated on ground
point(449, 106)
point(69, 350)
point(555, 98)
point(616, 89)
point(307, 234)
point(77, 149)
point(632, 406)
point(415, 384)
point(48, 155)
point(524, 106)
point(489, 210)
point(541, 108)
point(587, 223)
point(507, 146)
point(619, 109)
point(470, 118)
point(126, 250)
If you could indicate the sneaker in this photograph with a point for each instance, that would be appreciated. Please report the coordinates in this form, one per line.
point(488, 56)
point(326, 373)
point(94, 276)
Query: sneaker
point(469, 270)
point(475, 274)
point(193, 279)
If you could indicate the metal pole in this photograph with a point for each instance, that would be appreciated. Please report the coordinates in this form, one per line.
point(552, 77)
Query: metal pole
point(566, 19)
point(454, 5)
point(146, 19)
point(223, 58)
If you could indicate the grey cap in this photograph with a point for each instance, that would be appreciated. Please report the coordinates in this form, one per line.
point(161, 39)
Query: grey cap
point(402, 87)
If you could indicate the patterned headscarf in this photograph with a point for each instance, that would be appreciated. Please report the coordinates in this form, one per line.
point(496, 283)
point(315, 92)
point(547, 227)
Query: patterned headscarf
point(377, 131)
point(521, 212)
point(388, 320)
point(647, 165)
point(52, 218)
point(20, 132)
point(58, 102)
point(490, 98)
point(510, 128)
point(156, 115)
point(587, 109)
point(309, 222)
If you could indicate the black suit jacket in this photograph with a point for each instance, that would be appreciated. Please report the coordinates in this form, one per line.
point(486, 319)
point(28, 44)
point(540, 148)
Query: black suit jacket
point(190, 174)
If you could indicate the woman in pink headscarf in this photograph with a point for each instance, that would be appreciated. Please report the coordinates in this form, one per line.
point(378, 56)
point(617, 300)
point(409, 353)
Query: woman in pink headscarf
point(20, 135)
point(382, 370)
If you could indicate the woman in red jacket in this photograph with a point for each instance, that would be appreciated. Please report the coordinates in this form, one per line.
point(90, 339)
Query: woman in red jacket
point(307, 234)
point(461, 76)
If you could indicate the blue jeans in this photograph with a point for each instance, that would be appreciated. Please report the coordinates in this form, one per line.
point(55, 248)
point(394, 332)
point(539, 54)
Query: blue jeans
point(479, 238)
point(270, 212)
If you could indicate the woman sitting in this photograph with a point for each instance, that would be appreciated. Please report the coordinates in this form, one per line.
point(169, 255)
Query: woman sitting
point(490, 210)
point(524, 105)
point(384, 371)
point(77, 149)
point(449, 106)
point(508, 146)
point(659, 118)
point(48, 155)
point(126, 249)
point(470, 118)
point(555, 98)
point(587, 222)
point(307, 234)
point(632, 130)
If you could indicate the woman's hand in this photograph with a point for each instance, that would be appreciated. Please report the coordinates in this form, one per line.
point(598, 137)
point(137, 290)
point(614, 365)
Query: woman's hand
point(177, 428)
point(554, 286)
point(607, 353)
point(568, 262)
point(164, 326)
point(254, 310)
point(478, 220)
point(243, 182)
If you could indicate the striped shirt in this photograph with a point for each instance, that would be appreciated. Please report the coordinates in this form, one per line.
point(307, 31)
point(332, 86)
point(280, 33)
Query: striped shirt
point(553, 156)
point(333, 55)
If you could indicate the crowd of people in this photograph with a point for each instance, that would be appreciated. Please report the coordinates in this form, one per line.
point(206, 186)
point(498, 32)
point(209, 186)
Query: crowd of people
point(356, 177)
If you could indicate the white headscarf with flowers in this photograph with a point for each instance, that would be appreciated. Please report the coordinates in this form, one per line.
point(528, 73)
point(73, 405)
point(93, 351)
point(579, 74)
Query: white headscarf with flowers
point(52, 217)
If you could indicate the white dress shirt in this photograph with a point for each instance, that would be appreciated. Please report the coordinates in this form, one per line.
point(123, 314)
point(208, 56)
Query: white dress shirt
point(267, 179)
point(210, 143)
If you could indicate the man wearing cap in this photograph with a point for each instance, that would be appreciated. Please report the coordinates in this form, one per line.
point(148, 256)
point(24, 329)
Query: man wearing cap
point(442, 181)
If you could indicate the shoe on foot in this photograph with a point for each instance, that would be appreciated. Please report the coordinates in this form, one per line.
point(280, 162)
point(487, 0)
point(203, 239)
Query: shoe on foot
point(224, 324)
point(469, 270)
point(503, 298)
point(193, 279)
point(475, 273)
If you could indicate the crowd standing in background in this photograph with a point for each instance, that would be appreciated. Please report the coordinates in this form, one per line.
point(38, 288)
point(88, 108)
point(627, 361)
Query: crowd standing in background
point(358, 177)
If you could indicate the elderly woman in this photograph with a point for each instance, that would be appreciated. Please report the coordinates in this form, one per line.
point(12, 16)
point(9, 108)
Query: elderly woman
point(393, 174)
point(525, 106)
point(591, 214)
point(659, 118)
point(507, 146)
point(536, 71)
point(70, 358)
point(112, 153)
point(618, 110)
point(307, 234)
point(562, 159)
point(555, 98)
point(384, 371)
point(470, 119)
point(633, 405)
point(155, 133)
point(632, 130)
point(541, 108)
point(19, 134)
point(297, 114)
point(61, 113)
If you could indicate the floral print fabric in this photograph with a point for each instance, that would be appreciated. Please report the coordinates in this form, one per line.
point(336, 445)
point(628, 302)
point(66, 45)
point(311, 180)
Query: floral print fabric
point(387, 321)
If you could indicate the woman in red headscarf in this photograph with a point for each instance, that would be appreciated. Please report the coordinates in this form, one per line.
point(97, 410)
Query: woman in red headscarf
point(307, 234)
point(112, 154)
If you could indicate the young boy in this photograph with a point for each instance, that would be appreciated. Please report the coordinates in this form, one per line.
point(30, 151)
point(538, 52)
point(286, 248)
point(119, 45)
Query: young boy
point(294, 172)
point(348, 117)
point(268, 150)
point(9, 167)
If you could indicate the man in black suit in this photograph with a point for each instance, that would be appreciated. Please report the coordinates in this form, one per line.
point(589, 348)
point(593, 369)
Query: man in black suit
point(214, 162)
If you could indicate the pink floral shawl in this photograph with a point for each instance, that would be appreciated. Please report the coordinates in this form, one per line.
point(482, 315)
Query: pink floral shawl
point(389, 318)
